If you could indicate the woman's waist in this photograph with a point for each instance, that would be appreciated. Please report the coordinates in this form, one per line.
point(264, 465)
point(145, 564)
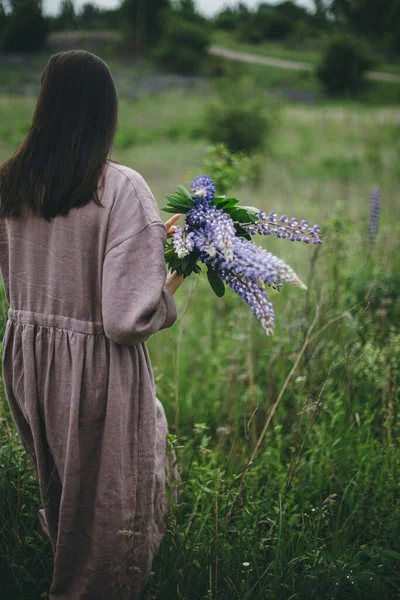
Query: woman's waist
point(56, 321)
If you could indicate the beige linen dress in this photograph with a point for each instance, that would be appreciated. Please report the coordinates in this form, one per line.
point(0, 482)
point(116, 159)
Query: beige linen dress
point(85, 292)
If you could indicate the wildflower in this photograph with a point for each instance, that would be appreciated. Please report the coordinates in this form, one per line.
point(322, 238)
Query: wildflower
point(219, 238)
point(374, 214)
point(246, 564)
point(183, 242)
point(255, 297)
point(284, 228)
point(203, 187)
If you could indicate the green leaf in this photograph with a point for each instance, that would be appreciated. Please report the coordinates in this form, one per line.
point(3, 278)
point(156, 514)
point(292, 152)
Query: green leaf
point(251, 209)
point(242, 216)
point(242, 232)
point(173, 198)
point(216, 283)
point(170, 209)
point(178, 206)
point(187, 195)
point(228, 203)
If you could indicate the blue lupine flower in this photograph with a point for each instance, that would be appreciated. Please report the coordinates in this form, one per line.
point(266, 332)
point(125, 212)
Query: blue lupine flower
point(183, 241)
point(203, 187)
point(216, 228)
point(374, 214)
point(284, 228)
point(254, 296)
point(246, 268)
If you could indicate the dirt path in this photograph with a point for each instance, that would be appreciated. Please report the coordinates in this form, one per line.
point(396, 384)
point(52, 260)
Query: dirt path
point(287, 64)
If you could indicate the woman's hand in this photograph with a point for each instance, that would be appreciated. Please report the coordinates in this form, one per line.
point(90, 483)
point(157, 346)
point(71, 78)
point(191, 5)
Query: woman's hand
point(173, 282)
point(171, 228)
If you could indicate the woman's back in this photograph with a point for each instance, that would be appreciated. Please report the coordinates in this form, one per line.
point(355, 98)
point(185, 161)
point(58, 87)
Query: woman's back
point(86, 291)
point(57, 266)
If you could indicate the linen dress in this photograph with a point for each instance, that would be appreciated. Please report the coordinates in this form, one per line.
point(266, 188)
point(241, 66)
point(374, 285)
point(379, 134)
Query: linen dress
point(85, 292)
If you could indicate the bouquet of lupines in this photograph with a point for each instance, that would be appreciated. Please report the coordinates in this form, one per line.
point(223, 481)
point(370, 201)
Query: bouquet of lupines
point(218, 233)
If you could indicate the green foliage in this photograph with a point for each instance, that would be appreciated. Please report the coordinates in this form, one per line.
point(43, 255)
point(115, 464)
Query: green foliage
point(25, 29)
point(183, 48)
point(227, 169)
point(67, 19)
point(227, 19)
point(92, 17)
point(143, 22)
point(343, 67)
point(238, 119)
point(265, 24)
point(369, 18)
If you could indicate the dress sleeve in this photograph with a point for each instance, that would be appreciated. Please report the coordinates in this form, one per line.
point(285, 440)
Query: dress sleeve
point(136, 302)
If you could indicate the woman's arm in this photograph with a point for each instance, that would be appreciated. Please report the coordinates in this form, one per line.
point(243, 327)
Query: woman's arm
point(136, 294)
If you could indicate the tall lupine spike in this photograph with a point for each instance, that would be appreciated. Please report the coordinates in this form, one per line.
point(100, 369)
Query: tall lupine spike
point(374, 214)
point(249, 261)
point(203, 187)
point(256, 263)
point(283, 227)
point(216, 228)
point(256, 297)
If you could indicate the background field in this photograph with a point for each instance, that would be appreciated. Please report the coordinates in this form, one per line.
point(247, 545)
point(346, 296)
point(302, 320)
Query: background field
point(305, 505)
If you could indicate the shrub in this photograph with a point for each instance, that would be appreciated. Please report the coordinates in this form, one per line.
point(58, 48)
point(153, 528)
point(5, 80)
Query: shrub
point(25, 29)
point(227, 19)
point(184, 45)
point(238, 119)
point(143, 23)
point(266, 24)
point(343, 67)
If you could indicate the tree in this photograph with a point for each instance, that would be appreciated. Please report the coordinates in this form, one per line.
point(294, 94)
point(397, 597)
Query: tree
point(368, 17)
point(25, 29)
point(143, 21)
point(90, 16)
point(344, 65)
point(183, 47)
point(66, 19)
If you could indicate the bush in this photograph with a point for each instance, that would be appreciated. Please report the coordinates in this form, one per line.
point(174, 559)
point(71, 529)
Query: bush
point(184, 45)
point(343, 67)
point(265, 24)
point(227, 19)
point(238, 119)
point(143, 23)
point(25, 29)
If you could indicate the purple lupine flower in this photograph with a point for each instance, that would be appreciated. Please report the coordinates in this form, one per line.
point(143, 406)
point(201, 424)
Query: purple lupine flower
point(183, 241)
point(248, 261)
point(374, 214)
point(283, 227)
point(215, 228)
point(256, 297)
point(203, 187)
point(258, 264)
point(244, 267)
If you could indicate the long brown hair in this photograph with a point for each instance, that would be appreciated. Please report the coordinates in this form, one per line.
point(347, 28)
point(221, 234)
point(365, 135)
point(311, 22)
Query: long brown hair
point(59, 163)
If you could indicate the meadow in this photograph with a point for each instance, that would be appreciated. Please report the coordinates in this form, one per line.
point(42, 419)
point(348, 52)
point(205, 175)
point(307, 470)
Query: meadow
point(288, 446)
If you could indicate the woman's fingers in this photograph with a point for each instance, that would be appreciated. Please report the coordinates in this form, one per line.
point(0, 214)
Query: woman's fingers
point(172, 220)
point(171, 231)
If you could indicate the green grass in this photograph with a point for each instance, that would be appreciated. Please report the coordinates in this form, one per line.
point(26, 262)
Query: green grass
point(317, 514)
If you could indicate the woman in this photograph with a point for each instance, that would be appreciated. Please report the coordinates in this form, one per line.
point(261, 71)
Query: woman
point(82, 260)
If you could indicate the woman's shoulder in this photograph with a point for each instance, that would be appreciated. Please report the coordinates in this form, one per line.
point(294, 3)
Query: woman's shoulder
point(124, 174)
point(131, 189)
